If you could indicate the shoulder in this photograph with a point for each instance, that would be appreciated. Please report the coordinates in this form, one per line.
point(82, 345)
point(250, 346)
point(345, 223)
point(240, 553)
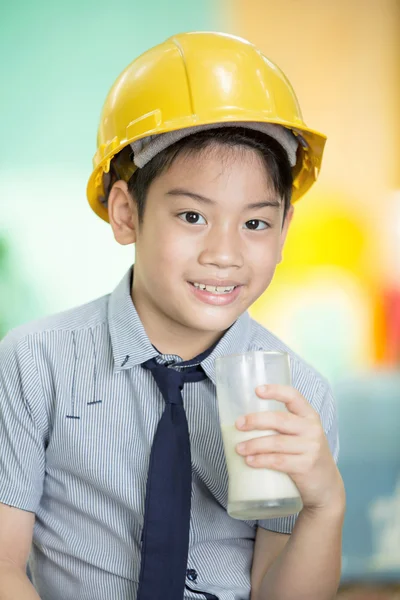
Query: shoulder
point(305, 378)
point(263, 339)
point(86, 316)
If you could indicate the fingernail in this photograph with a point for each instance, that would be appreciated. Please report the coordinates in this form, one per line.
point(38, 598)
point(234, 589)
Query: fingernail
point(250, 459)
point(241, 422)
point(241, 447)
point(263, 389)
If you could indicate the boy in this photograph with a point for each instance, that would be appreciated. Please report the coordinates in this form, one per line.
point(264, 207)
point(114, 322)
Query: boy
point(201, 147)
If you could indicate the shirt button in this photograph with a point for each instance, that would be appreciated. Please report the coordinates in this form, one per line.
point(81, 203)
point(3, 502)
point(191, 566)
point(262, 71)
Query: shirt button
point(191, 574)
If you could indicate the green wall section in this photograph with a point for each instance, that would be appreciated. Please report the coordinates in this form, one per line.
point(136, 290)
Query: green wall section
point(59, 60)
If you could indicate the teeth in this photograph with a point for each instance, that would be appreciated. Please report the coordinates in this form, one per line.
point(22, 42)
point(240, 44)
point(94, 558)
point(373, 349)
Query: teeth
point(215, 289)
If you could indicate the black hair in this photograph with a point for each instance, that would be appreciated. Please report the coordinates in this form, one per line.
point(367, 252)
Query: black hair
point(270, 151)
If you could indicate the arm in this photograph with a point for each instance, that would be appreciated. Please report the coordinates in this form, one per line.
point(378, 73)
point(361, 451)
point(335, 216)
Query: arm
point(306, 565)
point(267, 548)
point(23, 425)
point(16, 528)
point(309, 563)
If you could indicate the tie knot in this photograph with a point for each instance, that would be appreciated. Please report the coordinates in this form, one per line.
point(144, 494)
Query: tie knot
point(171, 381)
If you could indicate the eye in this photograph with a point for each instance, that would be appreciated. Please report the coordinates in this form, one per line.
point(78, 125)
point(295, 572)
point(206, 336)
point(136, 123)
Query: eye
point(256, 225)
point(192, 218)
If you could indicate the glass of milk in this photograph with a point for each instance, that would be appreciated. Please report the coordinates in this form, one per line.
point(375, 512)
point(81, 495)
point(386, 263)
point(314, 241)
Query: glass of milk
point(253, 493)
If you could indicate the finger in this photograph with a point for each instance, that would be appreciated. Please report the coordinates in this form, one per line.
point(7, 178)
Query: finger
point(282, 444)
point(280, 421)
point(295, 402)
point(292, 464)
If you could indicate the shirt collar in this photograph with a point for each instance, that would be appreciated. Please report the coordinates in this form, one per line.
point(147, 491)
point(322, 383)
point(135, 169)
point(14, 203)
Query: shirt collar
point(235, 341)
point(131, 346)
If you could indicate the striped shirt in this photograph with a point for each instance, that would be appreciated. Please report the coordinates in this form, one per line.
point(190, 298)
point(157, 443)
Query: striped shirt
point(78, 415)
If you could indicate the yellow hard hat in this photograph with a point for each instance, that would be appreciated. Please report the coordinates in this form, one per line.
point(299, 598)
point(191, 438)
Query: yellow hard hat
point(195, 79)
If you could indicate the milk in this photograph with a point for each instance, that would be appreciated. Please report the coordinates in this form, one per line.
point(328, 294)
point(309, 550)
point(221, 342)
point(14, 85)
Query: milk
point(256, 493)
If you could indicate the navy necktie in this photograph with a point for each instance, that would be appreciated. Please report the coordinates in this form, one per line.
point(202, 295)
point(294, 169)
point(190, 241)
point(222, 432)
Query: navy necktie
point(165, 537)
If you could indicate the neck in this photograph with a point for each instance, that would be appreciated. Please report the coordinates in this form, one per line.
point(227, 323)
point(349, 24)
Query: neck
point(169, 336)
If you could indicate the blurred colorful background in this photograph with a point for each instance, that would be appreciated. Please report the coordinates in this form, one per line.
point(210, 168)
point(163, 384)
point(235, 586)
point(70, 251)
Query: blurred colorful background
point(336, 296)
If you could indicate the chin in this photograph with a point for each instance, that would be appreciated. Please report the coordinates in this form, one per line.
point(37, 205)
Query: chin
point(213, 324)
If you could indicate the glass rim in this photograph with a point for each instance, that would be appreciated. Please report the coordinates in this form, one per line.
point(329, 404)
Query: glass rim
point(252, 352)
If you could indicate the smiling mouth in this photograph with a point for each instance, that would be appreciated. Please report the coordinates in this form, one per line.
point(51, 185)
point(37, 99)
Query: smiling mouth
point(213, 289)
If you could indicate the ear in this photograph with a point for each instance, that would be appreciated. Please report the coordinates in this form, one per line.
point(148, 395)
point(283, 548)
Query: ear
point(122, 214)
point(285, 229)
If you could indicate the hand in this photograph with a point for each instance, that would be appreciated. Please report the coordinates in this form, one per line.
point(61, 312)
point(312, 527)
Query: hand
point(299, 449)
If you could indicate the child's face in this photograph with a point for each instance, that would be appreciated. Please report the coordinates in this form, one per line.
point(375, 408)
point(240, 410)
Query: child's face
point(199, 228)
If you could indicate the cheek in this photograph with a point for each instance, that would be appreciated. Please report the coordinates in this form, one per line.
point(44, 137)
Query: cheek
point(170, 247)
point(262, 257)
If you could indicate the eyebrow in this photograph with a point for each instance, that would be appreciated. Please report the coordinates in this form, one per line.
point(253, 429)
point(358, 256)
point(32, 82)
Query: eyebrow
point(205, 200)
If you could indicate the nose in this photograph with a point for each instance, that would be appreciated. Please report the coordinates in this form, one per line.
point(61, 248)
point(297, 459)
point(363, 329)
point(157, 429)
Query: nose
point(222, 249)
